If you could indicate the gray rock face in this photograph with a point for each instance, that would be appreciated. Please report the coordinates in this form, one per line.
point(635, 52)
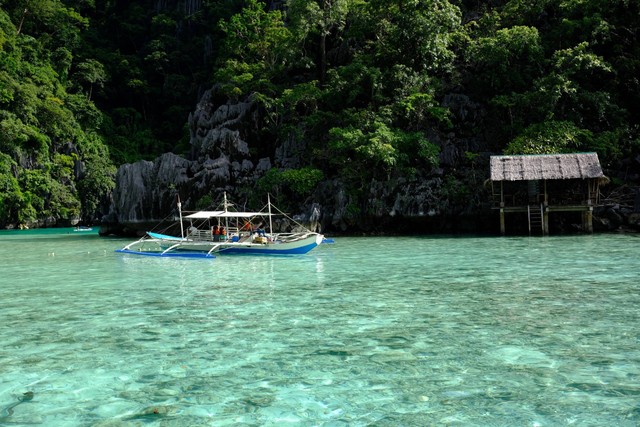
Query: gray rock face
point(147, 190)
point(217, 130)
point(288, 155)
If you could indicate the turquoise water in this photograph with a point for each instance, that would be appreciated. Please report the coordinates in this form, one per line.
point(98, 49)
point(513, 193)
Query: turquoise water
point(366, 332)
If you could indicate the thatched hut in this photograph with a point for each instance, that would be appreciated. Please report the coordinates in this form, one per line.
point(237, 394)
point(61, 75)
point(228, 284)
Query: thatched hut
point(541, 184)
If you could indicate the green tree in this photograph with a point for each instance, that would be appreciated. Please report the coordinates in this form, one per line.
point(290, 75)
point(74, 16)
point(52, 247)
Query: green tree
point(414, 33)
point(10, 192)
point(549, 138)
point(321, 19)
point(256, 50)
point(507, 61)
point(98, 178)
point(91, 73)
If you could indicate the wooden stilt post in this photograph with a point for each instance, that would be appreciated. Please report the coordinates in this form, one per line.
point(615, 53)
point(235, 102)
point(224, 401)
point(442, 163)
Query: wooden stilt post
point(545, 211)
point(587, 220)
point(502, 225)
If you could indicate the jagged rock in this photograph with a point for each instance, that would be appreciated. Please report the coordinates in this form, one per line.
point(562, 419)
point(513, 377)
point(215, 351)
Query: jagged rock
point(339, 217)
point(146, 191)
point(289, 153)
point(213, 172)
point(263, 166)
point(217, 129)
point(223, 141)
point(634, 220)
point(314, 217)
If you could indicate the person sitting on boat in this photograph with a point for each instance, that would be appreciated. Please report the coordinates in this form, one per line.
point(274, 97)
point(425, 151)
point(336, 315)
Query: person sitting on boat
point(258, 229)
point(247, 226)
point(215, 232)
point(223, 233)
point(260, 236)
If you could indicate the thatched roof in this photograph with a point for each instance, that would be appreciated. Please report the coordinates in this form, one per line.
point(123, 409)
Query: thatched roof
point(545, 166)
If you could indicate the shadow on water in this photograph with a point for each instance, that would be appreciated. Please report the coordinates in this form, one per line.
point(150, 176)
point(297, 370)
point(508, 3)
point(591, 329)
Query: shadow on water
point(7, 411)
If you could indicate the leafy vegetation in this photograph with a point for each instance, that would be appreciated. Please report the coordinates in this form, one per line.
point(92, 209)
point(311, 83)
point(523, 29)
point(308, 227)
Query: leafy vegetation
point(88, 85)
point(51, 155)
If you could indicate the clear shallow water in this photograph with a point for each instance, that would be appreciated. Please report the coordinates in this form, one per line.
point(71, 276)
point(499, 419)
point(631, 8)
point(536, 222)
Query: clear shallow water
point(369, 331)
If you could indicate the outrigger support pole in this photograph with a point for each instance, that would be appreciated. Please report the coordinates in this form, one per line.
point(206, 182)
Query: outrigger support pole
point(170, 248)
point(214, 248)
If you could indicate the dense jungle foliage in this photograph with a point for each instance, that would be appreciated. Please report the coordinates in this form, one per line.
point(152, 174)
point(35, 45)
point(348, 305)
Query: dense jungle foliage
point(87, 85)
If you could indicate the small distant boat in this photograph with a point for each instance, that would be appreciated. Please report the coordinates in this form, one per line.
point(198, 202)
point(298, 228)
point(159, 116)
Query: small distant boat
point(81, 228)
point(211, 233)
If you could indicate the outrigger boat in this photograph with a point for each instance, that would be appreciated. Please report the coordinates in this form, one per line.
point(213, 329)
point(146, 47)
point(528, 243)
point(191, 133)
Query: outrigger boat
point(211, 233)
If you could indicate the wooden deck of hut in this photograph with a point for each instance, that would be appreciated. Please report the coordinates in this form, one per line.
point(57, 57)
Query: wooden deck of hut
point(538, 185)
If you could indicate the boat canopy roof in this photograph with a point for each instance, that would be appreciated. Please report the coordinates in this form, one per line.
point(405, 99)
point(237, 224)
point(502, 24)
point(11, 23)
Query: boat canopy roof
point(224, 214)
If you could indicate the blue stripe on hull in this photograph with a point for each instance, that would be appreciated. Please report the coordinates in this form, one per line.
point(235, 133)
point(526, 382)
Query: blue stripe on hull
point(267, 251)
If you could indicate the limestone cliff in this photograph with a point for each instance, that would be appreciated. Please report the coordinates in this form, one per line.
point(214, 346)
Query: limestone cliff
point(223, 159)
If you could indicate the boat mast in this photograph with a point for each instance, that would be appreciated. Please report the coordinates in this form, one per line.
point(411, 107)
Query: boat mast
point(180, 214)
point(226, 218)
point(269, 204)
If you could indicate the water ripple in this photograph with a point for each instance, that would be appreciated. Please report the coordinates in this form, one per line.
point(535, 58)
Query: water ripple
point(369, 331)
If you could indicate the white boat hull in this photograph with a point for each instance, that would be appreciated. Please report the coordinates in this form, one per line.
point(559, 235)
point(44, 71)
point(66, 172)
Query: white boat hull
point(299, 246)
point(184, 247)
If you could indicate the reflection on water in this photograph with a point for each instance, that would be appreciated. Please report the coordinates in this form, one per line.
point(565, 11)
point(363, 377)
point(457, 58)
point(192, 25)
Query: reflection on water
point(368, 331)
